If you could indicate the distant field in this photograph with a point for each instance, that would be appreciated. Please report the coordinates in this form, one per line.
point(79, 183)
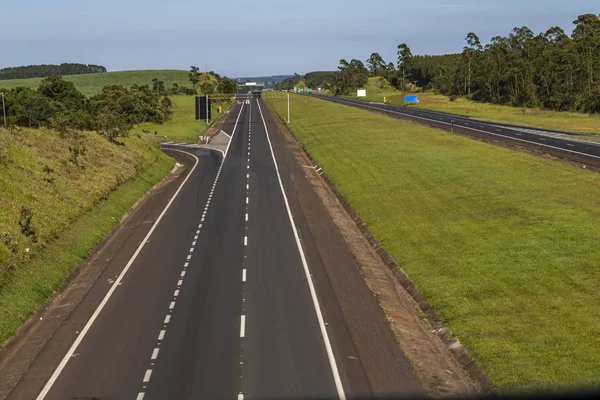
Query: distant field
point(502, 243)
point(564, 121)
point(183, 127)
point(90, 84)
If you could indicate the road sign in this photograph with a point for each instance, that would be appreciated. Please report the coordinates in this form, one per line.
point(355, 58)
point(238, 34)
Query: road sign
point(411, 99)
point(361, 93)
point(319, 90)
point(309, 90)
point(203, 111)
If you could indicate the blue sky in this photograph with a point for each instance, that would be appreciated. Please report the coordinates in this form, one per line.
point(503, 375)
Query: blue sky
point(259, 37)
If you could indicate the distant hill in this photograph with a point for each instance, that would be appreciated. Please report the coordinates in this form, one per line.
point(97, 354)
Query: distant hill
point(90, 84)
point(45, 70)
point(270, 81)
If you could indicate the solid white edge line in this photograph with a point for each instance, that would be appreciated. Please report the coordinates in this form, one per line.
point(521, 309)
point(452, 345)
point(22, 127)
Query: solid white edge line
point(108, 295)
point(311, 286)
point(473, 129)
point(243, 326)
point(234, 129)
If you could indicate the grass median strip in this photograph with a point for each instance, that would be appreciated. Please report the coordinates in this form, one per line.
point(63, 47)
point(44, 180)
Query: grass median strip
point(502, 243)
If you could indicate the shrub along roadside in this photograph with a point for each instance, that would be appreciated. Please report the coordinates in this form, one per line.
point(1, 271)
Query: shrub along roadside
point(59, 197)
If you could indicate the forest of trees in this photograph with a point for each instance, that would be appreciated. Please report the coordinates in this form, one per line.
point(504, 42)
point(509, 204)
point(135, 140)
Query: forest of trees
point(551, 70)
point(58, 104)
point(45, 70)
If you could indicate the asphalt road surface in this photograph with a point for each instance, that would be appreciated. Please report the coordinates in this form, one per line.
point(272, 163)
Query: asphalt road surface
point(519, 134)
point(218, 300)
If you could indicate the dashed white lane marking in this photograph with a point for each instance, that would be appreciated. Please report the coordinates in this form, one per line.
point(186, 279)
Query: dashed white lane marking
point(313, 292)
point(245, 240)
point(247, 200)
point(162, 333)
point(247, 176)
point(140, 396)
point(246, 217)
point(147, 375)
point(247, 186)
point(241, 396)
point(244, 275)
point(248, 167)
point(109, 294)
point(243, 326)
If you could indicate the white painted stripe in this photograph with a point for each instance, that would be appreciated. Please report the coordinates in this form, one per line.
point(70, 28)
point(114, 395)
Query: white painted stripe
point(186, 265)
point(182, 274)
point(161, 334)
point(195, 238)
point(154, 353)
point(189, 256)
point(244, 275)
point(167, 318)
point(147, 375)
point(200, 226)
point(248, 167)
point(233, 134)
point(247, 176)
point(180, 282)
point(486, 132)
point(247, 186)
point(247, 200)
point(313, 293)
point(108, 295)
point(176, 293)
point(240, 396)
point(246, 217)
point(243, 326)
point(198, 232)
point(245, 240)
point(140, 396)
point(191, 249)
point(172, 305)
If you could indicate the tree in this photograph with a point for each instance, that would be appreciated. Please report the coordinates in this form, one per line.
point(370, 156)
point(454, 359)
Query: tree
point(194, 75)
point(404, 60)
point(350, 75)
point(470, 54)
point(377, 66)
point(112, 125)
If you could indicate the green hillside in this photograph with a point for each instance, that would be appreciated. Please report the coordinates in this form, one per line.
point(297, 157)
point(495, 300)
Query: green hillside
point(90, 84)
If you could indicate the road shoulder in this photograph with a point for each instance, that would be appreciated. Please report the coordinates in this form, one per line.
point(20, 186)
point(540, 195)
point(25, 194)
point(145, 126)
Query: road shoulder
point(19, 352)
point(381, 316)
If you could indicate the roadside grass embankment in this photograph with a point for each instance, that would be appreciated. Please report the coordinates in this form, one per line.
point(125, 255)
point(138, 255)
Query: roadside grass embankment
point(183, 127)
point(91, 84)
point(503, 244)
point(59, 198)
point(378, 88)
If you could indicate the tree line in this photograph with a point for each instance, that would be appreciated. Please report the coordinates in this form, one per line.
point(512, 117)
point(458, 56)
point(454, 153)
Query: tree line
point(45, 70)
point(550, 70)
point(57, 104)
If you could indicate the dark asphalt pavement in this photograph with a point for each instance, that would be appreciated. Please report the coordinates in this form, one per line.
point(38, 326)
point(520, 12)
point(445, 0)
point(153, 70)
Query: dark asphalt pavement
point(219, 302)
point(520, 134)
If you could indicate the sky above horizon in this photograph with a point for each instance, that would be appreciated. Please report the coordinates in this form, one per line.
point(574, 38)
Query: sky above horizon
point(261, 37)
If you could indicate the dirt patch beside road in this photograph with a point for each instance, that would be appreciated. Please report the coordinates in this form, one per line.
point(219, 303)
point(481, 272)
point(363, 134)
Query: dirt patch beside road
point(436, 357)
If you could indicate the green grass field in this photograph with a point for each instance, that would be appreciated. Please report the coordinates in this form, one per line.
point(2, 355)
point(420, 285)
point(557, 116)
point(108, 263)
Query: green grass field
point(183, 127)
point(502, 243)
point(74, 203)
point(377, 89)
point(91, 84)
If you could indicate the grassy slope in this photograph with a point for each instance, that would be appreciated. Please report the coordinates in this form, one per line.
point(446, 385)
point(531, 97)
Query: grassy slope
point(71, 214)
point(90, 84)
point(565, 121)
point(502, 243)
point(183, 127)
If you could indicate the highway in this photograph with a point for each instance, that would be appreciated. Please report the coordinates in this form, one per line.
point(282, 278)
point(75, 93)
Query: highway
point(521, 135)
point(224, 297)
